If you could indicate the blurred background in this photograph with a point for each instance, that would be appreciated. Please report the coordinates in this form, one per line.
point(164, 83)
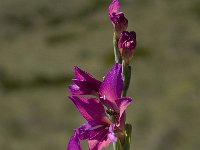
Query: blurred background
point(41, 41)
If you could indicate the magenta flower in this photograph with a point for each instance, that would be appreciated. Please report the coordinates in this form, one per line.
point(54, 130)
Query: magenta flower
point(105, 114)
point(127, 44)
point(117, 18)
point(96, 129)
point(84, 83)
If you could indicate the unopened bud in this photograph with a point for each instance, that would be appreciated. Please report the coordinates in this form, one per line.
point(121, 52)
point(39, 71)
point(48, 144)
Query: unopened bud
point(120, 23)
point(127, 44)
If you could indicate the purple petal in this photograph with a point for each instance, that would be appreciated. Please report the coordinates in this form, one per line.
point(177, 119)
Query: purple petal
point(123, 104)
point(114, 7)
point(90, 108)
point(82, 88)
point(74, 143)
point(84, 83)
point(127, 40)
point(120, 21)
point(111, 134)
point(112, 84)
point(83, 75)
point(101, 141)
point(90, 130)
point(76, 90)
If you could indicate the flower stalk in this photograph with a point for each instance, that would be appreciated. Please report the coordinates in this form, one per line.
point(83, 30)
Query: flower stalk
point(118, 57)
point(126, 70)
point(128, 137)
point(103, 103)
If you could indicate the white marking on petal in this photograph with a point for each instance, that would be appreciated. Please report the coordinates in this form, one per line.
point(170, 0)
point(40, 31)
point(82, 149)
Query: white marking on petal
point(96, 127)
point(88, 127)
point(76, 87)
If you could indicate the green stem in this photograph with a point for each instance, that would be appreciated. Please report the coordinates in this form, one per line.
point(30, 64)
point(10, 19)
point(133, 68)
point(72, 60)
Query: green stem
point(126, 146)
point(117, 145)
point(118, 58)
point(126, 70)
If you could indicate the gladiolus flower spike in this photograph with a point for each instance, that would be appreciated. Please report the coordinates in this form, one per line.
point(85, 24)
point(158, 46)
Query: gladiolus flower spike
point(103, 103)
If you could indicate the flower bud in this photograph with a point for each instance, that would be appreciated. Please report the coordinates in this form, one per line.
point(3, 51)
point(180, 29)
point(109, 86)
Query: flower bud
point(117, 18)
point(127, 44)
point(119, 22)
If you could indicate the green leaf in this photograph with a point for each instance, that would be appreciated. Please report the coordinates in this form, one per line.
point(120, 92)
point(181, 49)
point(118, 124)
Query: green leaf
point(128, 137)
